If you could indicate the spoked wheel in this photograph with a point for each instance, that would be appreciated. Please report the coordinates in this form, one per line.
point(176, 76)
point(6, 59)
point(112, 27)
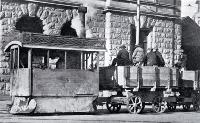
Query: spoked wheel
point(195, 106)
point(134, 104)
point(112, 107)
point(186, 107)
point(171, 106)
point(159, 105)
point(195, 103)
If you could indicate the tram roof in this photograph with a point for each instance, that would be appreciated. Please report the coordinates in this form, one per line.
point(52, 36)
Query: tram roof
point(35, 40)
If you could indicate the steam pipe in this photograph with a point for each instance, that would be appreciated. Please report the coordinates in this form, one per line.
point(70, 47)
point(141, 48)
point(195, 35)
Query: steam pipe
point(82, 10)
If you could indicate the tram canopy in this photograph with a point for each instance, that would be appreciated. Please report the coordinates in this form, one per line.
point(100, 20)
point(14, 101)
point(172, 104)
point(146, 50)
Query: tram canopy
point(34, 40)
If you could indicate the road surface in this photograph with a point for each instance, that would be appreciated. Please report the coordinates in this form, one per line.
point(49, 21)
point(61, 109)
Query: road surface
point(103, 116)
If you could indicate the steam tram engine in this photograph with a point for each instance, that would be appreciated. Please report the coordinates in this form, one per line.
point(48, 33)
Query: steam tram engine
point(52, 74)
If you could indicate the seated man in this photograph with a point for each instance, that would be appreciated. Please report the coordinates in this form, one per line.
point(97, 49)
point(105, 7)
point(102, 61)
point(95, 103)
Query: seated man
point(122, 58)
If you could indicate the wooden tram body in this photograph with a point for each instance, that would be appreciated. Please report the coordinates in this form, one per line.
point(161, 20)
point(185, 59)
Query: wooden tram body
point(53, 73)
point(162, 87)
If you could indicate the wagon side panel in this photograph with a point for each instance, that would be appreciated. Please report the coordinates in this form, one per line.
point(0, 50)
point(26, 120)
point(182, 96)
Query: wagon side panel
point(189, 78)
point(164, 76)
point(107, 78)
point(148, 76)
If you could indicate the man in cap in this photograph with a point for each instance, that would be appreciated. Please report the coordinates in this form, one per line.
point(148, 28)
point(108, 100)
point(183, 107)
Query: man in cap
point(138, 55)
point(154, 57)
point(122, 58)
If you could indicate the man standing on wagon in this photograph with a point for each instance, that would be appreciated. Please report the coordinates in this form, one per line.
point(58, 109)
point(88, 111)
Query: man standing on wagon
point(122, 58)
point(154, 58)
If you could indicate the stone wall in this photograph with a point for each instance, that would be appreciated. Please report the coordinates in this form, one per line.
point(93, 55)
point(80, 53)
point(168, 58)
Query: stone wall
point(166, 34)
point(95, 28)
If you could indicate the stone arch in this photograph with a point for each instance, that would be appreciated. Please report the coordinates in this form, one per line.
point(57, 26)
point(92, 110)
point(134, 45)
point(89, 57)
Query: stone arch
point(29, 24)
point(67, 30)
point(146, 22)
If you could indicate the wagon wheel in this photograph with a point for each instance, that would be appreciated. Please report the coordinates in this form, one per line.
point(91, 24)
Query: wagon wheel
point(134, 104)
point(195, 106)
point(159, 105)
point(112, 107)
point(171, 106)
point(186, 107)
point(195, 103)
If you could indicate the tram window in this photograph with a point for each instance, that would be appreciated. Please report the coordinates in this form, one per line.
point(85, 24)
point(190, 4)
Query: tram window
point(56, 59)
point(73, 60)
point(14, 58)
point(39, 58)
point(23, 58)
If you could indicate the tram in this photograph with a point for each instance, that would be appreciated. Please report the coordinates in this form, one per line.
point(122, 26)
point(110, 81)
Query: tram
point(51, 74)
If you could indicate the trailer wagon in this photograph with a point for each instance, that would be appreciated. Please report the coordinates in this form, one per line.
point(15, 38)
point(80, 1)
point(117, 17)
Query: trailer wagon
point(162, 87)
point(53, 73)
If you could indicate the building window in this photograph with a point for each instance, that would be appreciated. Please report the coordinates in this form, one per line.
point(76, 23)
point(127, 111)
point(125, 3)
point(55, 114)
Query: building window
point(29, 24)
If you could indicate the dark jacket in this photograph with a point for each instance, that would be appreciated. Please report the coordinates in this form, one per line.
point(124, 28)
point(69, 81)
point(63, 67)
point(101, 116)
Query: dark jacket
point(154, 58)
point(122, 58)
point(150, 59)
point(160, 60)
point(123, 54)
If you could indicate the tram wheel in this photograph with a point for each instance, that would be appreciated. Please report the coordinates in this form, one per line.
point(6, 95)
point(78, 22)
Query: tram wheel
point(171, 106)
point(158, 105)
point(112, 107)
point(186, 107)
point(135, 104)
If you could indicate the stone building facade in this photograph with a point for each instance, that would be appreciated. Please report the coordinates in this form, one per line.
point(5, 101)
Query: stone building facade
point(110, 20)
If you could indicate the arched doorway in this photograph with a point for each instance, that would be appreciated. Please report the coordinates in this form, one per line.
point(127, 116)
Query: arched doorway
point(67, 30)
point(29, 24)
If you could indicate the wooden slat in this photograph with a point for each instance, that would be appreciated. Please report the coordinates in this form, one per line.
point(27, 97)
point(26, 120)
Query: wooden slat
point(132, 76)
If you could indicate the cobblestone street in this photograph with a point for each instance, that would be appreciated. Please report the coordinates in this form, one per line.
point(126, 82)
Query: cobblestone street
point(103, 116)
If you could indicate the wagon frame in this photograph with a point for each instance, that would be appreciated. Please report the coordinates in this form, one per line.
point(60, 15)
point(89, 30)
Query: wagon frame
point(162, 87)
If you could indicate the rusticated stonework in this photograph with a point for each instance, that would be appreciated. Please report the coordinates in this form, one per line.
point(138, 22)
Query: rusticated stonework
point(165, 34)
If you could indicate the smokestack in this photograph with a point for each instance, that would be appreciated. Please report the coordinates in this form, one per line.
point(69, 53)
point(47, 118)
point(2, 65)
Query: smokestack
point(82, 10)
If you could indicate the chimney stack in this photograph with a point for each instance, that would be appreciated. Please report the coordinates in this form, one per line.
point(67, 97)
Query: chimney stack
point(82, 10)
